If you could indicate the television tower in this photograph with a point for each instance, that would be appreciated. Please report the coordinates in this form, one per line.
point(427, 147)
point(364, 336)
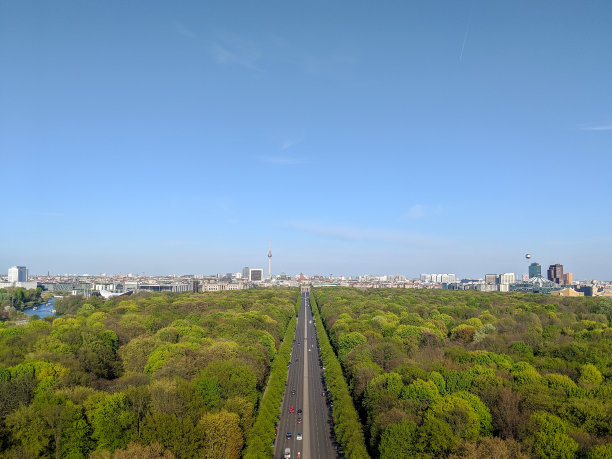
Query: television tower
point(270, 261)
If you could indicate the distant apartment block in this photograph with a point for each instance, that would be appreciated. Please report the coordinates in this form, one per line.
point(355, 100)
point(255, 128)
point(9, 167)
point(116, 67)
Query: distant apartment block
point(568, 278)
point(438, 278)
point(555, 274)
point(491, 279)
point(497, 282)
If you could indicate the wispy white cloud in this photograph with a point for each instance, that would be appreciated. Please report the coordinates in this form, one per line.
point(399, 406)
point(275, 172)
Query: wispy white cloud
point(607, 127)
point(183, 30)
point(417, 211)
point(349, 233)
point(465, 37)
point(290, 143)
point(281, 160)
point(225, 48)
point(246, 57)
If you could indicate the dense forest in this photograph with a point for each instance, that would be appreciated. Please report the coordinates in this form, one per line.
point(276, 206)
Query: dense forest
point(435, 373)
point(159, 375)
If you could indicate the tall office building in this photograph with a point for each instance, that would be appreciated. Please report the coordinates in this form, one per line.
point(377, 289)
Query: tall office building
point(507, 278)
point(535, 270)
point(555, 273)
point(568, 278)
point(18, 274)
point(245, 272)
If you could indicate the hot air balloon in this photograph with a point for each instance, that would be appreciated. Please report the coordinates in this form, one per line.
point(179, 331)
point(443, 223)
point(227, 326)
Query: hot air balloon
point(528, 256)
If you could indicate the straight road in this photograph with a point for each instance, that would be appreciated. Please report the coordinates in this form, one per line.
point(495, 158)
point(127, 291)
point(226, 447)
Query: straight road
point(305, 392)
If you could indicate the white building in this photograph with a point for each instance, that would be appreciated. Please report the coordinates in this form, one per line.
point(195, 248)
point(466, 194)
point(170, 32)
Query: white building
point(437, 278)
point(18, 274)
point(507, 278)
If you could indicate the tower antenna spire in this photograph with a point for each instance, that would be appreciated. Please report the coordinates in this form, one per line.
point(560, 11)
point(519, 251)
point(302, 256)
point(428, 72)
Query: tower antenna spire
point(270, 260)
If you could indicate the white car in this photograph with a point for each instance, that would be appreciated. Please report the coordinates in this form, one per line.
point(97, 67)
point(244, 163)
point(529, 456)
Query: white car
point(287, 454)
point(298, 436)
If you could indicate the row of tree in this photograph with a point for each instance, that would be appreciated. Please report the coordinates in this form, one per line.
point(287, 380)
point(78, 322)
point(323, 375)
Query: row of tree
point(160, 375)
point(262, 435)
point(347, 427)
point(467, 373)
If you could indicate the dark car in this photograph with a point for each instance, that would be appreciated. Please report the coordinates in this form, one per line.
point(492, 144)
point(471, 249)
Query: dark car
point(292, 391)
point(299, 411)
point(288, 435)
point(299, 420)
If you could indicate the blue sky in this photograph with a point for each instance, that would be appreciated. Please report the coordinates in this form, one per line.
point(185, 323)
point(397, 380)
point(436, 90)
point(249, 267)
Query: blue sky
point(359, 137)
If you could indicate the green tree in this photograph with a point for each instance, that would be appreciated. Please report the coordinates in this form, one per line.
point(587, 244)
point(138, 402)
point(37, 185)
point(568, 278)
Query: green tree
point(549, 437)
point(235, 378)
point(590, 376)
point(210, 390)
point(436, 437)
point(179, 435)
point(51, 426)
point(244, 409)
point(422, 392)
point(112, 420)
point(135, 451)
point(458, 414)
point(601, 452)
point(480, 409)
point(222, 435)
point(348, 342)
point(399, 441)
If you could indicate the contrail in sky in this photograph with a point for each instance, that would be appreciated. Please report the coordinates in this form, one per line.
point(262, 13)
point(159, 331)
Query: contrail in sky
point(467, 30)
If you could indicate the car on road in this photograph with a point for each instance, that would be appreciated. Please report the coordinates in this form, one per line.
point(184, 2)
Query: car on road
point(299, 411)
point(298, 436)
point(299, 420)
point(288, 435)
point(291, 409)
point(292, 391)
point(287, 454)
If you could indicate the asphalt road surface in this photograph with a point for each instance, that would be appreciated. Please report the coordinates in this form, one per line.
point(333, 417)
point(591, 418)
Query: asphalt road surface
point(306, 379)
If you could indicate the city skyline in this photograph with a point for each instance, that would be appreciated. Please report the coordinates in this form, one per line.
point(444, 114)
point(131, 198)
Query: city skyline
point(411, 138)
point(21, 273)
